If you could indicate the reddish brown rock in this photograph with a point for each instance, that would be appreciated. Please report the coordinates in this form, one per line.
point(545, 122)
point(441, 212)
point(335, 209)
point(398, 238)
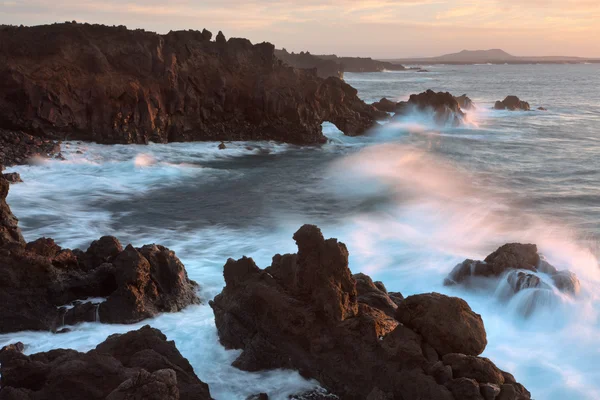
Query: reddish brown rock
point(307, 312)
point(140, 364)
point(113, 85)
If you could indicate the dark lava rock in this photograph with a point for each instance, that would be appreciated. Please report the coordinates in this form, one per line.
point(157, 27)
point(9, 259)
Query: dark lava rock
point(13, 177)
point(512, 103)
point(386, 105)
point(141, 86)
point(447, 323)
point(445, 107)
point(260, 396)
point(308, 312)
point(542, 109)
point(222, 146)
point(518, 263)
point(304, 60)
point(465, 102)
point(38, 277)
point(140, 364)
point(17, 147)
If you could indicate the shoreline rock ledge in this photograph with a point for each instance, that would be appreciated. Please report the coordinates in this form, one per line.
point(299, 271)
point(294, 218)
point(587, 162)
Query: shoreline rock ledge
point(307, 312)
point(114, 85)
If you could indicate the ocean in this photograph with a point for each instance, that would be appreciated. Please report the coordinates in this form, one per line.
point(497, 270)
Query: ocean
point(410, 199)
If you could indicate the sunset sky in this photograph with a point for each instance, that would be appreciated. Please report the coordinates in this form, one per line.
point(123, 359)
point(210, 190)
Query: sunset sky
point(376, 28)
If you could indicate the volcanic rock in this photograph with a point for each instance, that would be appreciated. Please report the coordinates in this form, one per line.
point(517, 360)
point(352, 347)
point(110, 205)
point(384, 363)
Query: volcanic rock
point(114, 85)
point(17, 147)
point(512, 103)
point(386, 105)
point(13, 177)
point(444, 106)
point(140, 364)
point(38, 277)
point(308, 312)
point(566, 281)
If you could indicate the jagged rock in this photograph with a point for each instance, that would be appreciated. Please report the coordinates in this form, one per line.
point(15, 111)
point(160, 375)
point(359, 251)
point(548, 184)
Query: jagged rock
point(443, 105)
point(38, 277)
point(307, 312)
point(17, 147)
point(512, 103)
point(520, 280)
point(386, 105)
point(369, 293)
point(140, 364)
point(305, 60)
point(465, 102)
point(222, 146)
point(13, 177)
point(141, 86)
point(446, 323)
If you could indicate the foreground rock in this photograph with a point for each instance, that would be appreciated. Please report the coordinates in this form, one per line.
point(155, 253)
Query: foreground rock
point(38, 277)
point(140, 364)
point(308, 312)
point(512, 103)
point(132, 86)
point(518, 264)
point(19, 147)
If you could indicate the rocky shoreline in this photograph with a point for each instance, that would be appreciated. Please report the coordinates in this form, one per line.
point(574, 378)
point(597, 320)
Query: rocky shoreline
point(114, 85)
point(305, 312)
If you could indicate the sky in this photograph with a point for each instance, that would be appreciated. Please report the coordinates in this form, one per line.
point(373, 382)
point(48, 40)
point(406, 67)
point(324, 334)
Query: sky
point(374, 28)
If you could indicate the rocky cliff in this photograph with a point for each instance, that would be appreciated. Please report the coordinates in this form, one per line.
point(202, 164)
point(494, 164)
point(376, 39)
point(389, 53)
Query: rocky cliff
point(305, 60)
point(114, 85)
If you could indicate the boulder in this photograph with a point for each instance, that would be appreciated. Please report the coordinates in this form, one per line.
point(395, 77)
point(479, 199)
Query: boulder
point(446, 323)
point(444, 106)
point(140, 364)
point(386, 105)
point(567, 281)
point(512, 103)
point(13, 177)
point(308, 312)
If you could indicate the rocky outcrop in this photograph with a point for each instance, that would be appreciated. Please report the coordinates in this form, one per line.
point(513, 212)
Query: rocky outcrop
point(362, 64)
point(387, 105)
point(12, 177)
point(140, 364)
point(444, 106)
point(19, 147)
point(39, 277)
point(465, 102)
point(113, 85)
point(512, 103)
point(305, 60)
point(520, 265)
point(308, 312)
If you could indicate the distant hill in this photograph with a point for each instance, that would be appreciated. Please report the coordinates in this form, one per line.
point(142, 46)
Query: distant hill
point(492, 56)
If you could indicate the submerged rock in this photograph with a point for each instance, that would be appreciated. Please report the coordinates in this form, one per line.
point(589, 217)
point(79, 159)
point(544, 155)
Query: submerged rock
point(519, 265)
point(308, 312)
point(38, 277)
point(512, 103)
point(139, 364)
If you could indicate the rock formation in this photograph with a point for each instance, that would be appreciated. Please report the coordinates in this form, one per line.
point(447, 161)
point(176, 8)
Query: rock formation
point(19, 147)
point(512, 103)
point(113, 85)
point(362, 64)
point(37, 278)
point(465, 102)
point(305, 60)
point(308, 312)
point(520, 265)
point(140, 364)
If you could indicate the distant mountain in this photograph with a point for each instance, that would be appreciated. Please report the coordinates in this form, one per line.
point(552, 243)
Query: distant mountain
point(477, 56)
point(492, 56)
